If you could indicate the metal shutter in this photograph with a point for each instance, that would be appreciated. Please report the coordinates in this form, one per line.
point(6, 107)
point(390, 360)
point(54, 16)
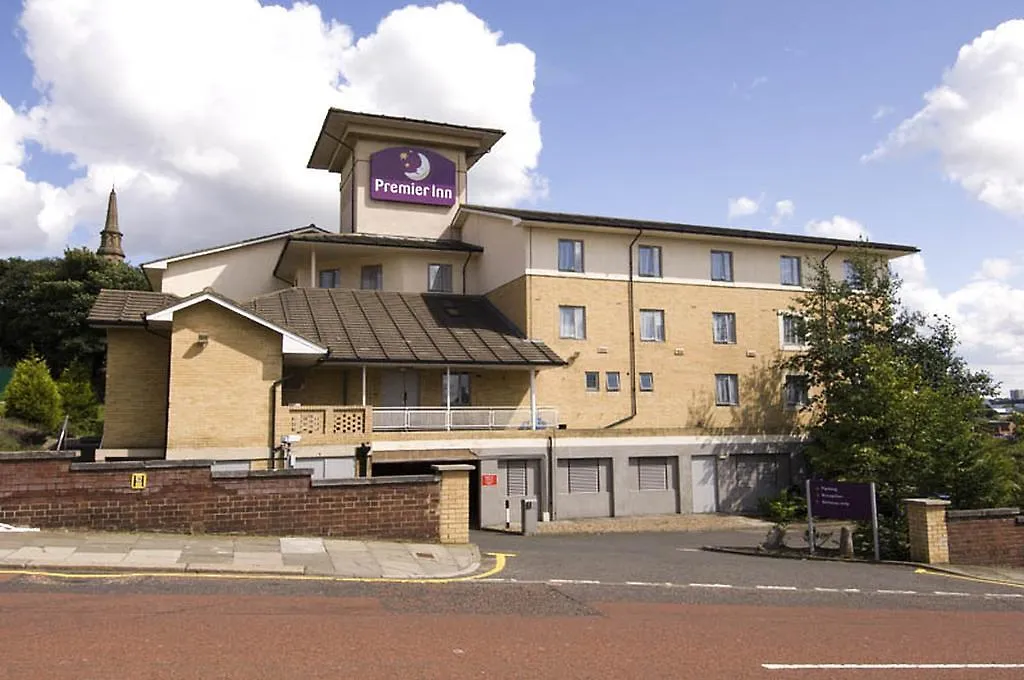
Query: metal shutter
point(515, 478)
point(584, 475)
point(652, 474)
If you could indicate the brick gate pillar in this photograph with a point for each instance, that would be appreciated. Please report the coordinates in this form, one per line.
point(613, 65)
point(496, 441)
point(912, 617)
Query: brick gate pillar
point(929, 541)
point(454, 502)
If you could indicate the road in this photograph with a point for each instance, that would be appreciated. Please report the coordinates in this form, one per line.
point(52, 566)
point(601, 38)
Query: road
point(575, 617)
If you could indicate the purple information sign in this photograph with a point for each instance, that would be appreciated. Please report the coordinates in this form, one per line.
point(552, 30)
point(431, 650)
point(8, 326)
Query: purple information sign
point(840, 500)
point(409, 175)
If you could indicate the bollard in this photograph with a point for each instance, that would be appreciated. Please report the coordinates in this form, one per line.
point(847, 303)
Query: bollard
point(528, 527)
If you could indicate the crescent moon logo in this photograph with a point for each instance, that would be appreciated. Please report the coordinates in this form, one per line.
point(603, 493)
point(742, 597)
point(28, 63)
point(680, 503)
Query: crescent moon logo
point(420, 173)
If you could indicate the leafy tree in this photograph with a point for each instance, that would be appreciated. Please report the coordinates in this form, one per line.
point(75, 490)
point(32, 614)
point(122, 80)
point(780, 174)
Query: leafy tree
point(892, 402)
point(32, 394)
point(79, 400)
point(44, 304)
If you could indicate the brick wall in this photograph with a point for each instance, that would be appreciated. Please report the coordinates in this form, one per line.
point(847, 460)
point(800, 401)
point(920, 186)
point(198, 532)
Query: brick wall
point(48, 490)
point(986, 537)
point(136, 390)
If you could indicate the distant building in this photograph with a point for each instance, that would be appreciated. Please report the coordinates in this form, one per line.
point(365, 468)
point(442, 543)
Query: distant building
point(110, 238)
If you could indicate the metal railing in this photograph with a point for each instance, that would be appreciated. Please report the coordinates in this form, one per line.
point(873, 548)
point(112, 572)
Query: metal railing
point(461, 418)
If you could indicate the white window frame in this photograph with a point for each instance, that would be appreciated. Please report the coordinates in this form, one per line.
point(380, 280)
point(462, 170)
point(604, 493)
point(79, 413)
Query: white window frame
point(789, 347)
point(335, 274)
point(730, 272)
point(577, 264)
point(659, 325)
point(655, 259)
point(440, 267)
point(731, 339)
point(783, 259)
point(794, 406)
point(579, 322)
point(734, 389)
point(596, 375)
point(608, 382)
point(649, 377)
point(459, 385)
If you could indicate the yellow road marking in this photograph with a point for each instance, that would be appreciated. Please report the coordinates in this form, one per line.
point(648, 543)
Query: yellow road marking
point(977, 579)
point(500, 561)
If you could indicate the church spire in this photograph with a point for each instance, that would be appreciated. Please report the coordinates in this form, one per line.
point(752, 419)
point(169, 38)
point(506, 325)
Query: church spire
point(110, 237)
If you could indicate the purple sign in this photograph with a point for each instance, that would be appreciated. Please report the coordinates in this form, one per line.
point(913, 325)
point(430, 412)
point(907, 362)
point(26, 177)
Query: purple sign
point(840, 500)
point(410, 175)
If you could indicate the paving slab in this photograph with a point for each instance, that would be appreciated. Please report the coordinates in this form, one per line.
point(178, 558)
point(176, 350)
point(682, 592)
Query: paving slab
point(34, 553)
point(94, 559)
point(201, 567)
point(302, 546)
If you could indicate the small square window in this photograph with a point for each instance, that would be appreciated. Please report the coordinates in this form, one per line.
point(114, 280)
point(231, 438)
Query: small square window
point(646, 382)
point(652, 325)
point(789, 274)
point(570, 255)
point(721, 265)
point(330, 278)
point(723, 328)
point(372, 277)
point(439, 278)
point(612, 381)
point(795, 392)
point(593, 380)
point(572, 323)
point(727, 389)
point(794, 334)
point(649, 261)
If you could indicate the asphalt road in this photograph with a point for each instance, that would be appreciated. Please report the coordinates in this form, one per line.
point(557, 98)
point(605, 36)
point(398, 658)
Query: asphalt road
point(555, 625)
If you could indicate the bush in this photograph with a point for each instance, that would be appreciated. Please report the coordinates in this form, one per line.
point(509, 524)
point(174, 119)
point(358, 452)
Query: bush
point(32, 395)
point(79, 400)
point(786, 508)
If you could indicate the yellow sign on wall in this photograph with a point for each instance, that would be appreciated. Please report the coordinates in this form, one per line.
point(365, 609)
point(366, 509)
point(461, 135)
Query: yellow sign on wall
point(138, 480)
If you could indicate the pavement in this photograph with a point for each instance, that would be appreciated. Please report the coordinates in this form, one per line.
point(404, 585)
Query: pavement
point(296, 555)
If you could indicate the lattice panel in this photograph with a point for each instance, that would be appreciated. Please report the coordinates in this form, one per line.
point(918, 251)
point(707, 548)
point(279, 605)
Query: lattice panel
point(308, 422)
point(348, 422)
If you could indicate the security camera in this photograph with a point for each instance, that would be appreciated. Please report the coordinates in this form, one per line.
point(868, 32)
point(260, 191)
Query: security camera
point(291, 439)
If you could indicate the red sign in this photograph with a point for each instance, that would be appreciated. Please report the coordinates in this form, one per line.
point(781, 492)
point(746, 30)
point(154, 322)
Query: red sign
point(488, 480)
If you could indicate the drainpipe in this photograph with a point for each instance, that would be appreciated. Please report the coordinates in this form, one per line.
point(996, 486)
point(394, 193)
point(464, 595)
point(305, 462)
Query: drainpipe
point(551, 477)
point(464, 266)
point(632, 339)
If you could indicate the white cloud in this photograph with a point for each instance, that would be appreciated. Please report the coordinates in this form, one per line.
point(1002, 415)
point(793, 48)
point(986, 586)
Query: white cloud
point(996, 269)
point(204, 114)
point(784, 209)
point(743, 206)
point(881, 112)
point(973, 119)
point(837, 227)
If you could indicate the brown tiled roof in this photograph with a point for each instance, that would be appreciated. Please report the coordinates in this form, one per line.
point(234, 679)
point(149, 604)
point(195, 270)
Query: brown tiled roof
point(127, 307)
point(389, 327)
point(624, 223)
point(389, 241)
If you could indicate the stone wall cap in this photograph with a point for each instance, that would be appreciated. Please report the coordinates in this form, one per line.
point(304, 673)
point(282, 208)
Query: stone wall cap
point(982, 512)
point(142, 464)
point(372, 481)
point(454, 467)
point(926, 501)
point(13, 456)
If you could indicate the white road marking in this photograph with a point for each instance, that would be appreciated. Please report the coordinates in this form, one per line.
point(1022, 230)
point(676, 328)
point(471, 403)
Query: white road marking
point(689, 550)
point(888, 666)
point(710, 585)
point(896, 592)
point(951, 594)
point(776, 587)
point(1003, 595)
point(827, 590)
point(851, 590)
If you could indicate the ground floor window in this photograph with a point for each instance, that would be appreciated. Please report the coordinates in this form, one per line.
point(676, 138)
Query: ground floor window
point(584, 475)
point(516, 478)
point(652, 473)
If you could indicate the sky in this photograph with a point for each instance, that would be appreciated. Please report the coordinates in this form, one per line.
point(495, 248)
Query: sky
point(901, 122)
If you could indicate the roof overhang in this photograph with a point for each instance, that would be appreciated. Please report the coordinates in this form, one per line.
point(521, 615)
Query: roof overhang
point(162, 264)
point(291, 344)
point(341, 129)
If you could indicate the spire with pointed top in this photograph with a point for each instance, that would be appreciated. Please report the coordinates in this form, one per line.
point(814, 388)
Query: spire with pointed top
point(110, 237)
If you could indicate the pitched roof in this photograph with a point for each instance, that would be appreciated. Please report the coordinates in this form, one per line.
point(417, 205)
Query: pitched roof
point(391, 327)
point(162, 262)
point(389, 241)
point(127, 307)
point(679, 228)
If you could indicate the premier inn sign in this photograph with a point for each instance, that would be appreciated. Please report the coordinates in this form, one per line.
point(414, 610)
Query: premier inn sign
point(409, 175)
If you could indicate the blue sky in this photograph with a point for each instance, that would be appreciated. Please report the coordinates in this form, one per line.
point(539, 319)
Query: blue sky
point(666, 110)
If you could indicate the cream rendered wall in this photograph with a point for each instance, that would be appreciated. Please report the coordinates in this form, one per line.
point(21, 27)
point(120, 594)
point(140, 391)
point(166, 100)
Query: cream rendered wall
point(505, 252)
point(240, 273)
point(405, 270)
point(403, 219)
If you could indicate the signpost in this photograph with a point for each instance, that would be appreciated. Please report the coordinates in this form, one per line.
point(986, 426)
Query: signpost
point(841, 500)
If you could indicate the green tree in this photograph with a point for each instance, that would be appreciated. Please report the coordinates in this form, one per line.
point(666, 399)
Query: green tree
point(79, 400)
point(892, 402)
point(32, 394)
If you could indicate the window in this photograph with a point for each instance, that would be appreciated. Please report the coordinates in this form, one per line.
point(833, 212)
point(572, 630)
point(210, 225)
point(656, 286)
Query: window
point(516, 478)
point(455, 386)
point(439, 278)
point(851, 275)
point(795, 391)
point(652, 325)
point(330, 278)
point(572, 323)
point(570, 255)
point(721, 265)
point(612, 381)
point(793, 332)
point(727, 389)
point(584, 475)
point(649, 261)
point(593, 380)
point(372, 277)
point(790, 271)
point(646, 382)
point(652, 474)
point(723, 328)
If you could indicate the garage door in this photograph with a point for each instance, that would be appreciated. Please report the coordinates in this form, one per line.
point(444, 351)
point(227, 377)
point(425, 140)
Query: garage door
point(705, 484)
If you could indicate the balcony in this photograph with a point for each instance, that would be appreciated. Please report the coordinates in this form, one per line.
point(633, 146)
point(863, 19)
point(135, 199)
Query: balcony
point(437, 419)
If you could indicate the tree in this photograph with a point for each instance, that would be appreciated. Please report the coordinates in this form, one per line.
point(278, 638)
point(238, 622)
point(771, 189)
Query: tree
point(79, 400)
point(44, 304)
point(891, 400)
point(32, 394)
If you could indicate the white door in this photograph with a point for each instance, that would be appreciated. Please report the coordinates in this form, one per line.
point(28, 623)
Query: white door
point(399, 388)
point(705, 484)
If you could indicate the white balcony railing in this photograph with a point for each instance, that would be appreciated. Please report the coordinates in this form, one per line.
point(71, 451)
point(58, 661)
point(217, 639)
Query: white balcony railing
point(461, 418)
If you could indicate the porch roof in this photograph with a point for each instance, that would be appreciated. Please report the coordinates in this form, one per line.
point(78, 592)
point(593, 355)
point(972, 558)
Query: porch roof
point(127, 307)
point(367, 326)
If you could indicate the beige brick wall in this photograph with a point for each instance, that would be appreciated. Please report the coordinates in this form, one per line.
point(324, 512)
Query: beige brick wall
point(929, 538)
point(135, 412)
point(454, 505)
point(220, 394)
point(511, 300)
point(684, 365)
